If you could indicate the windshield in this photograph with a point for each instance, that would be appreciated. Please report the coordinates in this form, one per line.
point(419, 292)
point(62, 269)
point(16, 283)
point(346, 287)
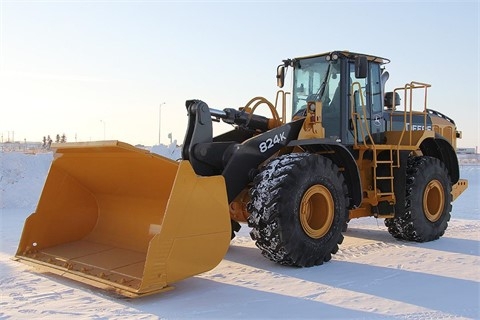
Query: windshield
point(315, 79)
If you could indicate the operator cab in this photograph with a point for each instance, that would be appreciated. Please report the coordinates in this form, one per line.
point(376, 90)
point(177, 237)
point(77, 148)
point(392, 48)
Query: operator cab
point(343, 81)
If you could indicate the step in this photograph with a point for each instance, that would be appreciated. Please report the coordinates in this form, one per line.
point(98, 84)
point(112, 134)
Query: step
point(384, 178)
point(381, 194)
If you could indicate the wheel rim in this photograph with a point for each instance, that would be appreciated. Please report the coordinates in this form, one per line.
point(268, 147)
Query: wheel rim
point(433, 200)
point(317, 211)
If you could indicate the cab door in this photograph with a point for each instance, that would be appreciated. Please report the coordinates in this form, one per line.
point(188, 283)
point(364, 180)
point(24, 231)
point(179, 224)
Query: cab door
point(365, 98)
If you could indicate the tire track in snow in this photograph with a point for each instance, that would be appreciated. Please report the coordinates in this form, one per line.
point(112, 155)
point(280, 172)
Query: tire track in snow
point(350, 251)
point(232, 273)
point(393, 259)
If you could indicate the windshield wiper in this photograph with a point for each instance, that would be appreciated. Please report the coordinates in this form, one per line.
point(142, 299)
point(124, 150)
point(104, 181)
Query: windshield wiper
point(318, 96)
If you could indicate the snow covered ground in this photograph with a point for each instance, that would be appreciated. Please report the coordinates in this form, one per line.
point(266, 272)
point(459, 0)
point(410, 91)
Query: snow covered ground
point(373, 276)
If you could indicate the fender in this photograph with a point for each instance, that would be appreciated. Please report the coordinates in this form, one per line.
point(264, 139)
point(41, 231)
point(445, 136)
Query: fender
point(440, 148)
point(343, 158)
point(245, 158)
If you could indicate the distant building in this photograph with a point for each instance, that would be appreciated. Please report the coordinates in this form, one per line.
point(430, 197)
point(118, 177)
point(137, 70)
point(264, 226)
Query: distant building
point(466, 150)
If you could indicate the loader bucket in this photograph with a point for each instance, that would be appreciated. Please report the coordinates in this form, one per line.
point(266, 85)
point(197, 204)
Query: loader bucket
point(123, 219)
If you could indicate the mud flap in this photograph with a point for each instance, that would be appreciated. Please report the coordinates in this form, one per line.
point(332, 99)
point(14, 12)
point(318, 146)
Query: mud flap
point(124, 219)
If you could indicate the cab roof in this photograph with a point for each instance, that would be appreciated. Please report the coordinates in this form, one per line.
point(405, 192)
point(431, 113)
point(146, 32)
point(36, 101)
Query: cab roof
point(348, 55)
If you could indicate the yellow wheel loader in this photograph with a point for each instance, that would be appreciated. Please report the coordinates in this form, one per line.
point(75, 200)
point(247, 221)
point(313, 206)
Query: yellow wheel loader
point(121, 218)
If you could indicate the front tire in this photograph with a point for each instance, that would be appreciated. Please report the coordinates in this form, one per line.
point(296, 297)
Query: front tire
point(427, 202)
point(298, 208)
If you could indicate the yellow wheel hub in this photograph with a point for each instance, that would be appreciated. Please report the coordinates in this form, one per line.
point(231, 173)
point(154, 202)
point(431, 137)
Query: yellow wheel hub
point(317, 211)
point(433, 200)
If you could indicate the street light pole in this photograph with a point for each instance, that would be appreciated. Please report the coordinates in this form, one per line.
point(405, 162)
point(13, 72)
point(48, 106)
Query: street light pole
point(160, 122)
point(104, 125)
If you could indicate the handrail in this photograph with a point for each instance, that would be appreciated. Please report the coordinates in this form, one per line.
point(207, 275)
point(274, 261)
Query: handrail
point(394, 143)
point(283, 94)
point(354, 115)
point(258, 101)
point(408, 96)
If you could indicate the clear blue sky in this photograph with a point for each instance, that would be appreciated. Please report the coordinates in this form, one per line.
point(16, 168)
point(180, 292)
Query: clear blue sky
point(82, 67)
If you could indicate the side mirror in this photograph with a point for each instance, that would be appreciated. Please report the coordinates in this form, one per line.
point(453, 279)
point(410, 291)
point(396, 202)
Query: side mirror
point(280, 76)
point(361, 67)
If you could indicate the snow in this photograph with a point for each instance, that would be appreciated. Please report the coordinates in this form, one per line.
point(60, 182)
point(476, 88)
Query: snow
point(372, 276)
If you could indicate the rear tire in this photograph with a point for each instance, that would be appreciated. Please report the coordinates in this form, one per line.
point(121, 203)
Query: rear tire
point(298, 208)
point(427, 202)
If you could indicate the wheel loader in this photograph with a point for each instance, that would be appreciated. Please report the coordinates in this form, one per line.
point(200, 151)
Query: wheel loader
point(124, 219)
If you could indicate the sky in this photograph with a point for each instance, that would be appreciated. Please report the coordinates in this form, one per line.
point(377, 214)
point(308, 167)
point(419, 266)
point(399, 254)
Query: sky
point(97, 70)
